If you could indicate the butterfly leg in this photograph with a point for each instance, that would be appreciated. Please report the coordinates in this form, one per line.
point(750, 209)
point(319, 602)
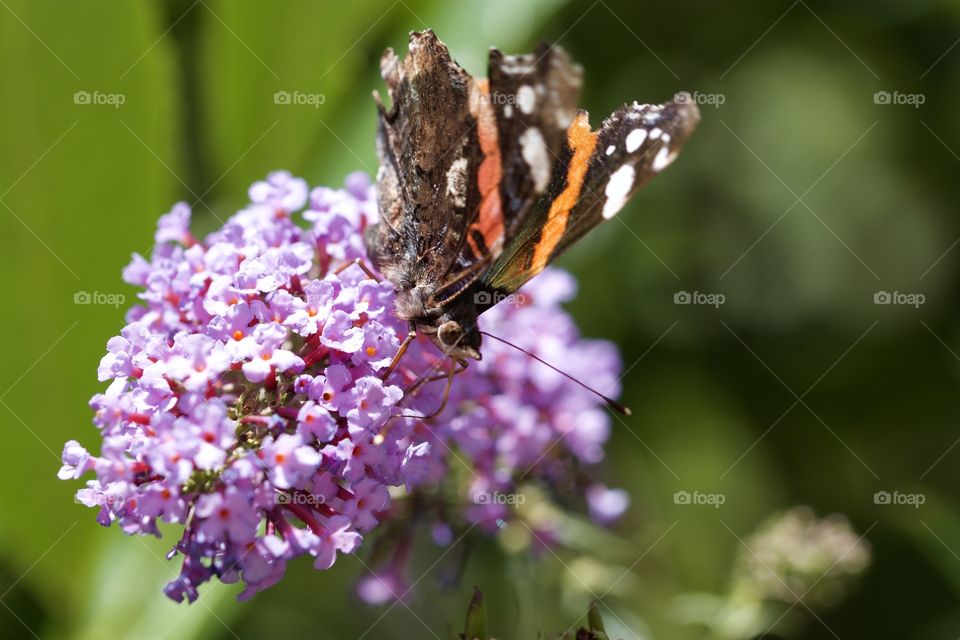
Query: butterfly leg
point(402, 350)
point(463, 364)
point(360, 263)
point(446, 392)
point(415, 387)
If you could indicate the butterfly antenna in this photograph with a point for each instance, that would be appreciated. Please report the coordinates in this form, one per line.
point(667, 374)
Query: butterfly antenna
point(610, 402)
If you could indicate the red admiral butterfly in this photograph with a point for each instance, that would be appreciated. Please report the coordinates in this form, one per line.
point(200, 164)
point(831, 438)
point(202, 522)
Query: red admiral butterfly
point(484, 182)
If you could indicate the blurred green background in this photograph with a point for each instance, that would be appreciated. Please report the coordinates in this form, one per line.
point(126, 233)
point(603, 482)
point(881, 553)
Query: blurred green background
point(800, 197)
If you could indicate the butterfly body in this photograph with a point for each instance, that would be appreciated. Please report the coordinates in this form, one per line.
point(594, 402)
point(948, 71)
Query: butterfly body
point(484, 182)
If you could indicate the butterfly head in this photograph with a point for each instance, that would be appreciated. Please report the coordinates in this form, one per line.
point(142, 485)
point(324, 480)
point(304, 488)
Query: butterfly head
point(452, 326)
point(455, 338)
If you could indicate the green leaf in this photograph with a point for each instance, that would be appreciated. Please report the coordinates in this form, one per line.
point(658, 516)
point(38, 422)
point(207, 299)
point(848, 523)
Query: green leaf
point(126, 601)
point(594, 619)
point(254, 53)
point(475, 627)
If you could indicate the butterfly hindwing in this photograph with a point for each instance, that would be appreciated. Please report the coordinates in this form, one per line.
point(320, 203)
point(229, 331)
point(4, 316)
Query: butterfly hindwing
point(521, 112)
point(595, 174)
point(535, 97)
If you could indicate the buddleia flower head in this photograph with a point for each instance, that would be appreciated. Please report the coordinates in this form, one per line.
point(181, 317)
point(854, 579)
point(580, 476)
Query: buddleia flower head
point(246, 402)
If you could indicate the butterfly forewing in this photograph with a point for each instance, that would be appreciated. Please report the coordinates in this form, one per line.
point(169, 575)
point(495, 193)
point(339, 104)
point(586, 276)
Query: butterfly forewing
point(427, 145)
point(594, 176)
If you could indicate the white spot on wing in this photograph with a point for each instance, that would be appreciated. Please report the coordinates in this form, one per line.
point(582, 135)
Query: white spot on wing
point(526, 98)
point(611, 149)
point(508, 111)
point(457, 182)
point(618, 188)
point(651, 115)
point(655, 133)
point(635, 139)
point(663, 158)
point(533, 148)
point(517, 65)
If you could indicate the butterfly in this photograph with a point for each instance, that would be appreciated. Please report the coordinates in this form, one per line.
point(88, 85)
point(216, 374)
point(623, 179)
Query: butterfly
point(483, 182)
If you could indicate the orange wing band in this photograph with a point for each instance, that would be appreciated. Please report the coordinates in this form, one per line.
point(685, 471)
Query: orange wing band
point(490, 219)
point(582, 142)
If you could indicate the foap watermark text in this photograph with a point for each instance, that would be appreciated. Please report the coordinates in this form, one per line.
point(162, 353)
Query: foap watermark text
point(98, 298)
point(714, 100)
point(699, 297)
point(299, 498)
point(499, 498)
point(494, 297)
point(299, 98)
point(699, 498)
point(899, 297)
point(98, 98)
point(897, 498)
point(895, 97)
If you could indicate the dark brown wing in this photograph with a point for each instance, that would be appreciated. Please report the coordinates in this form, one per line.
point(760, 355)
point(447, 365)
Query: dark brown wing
point(522, 110)
point(535, 97)
point(428, 149)
point(595, 174)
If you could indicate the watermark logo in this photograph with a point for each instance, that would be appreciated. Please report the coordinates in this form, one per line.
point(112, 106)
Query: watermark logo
point(911, 499)
point(714, 100)
point(513, 499)
point(115, 100)
point(697, 297)
point(897, 297)
point(299, 498)
point(895, 97)
point(97, 298)
point(299, 98)
point(499, 98)
point(698, 498)
point(491, 298)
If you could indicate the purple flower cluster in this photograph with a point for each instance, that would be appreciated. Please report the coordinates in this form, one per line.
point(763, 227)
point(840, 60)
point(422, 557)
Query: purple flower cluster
point(246, 402)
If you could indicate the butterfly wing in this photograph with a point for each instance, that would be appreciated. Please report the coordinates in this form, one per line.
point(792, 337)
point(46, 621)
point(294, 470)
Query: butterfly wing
point(428, 148)
point(487, 181)
point(522, 111)
point(535, 99)
point(594, 175)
